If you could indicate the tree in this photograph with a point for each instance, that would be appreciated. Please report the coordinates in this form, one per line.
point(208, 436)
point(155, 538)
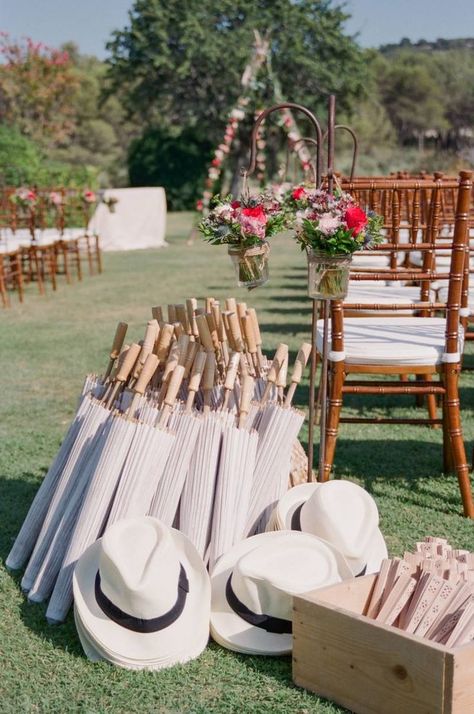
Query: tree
point(179, 64)
point(412, 94)
point(37, 86)
point(156, 159)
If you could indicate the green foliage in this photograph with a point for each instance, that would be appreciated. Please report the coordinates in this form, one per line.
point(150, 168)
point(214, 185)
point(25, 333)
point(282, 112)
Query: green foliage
point(177, 163)
point(180, 64)
point(20, 158)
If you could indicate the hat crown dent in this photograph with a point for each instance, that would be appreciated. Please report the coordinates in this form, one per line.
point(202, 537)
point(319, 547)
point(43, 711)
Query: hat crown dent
point(266, 578)
point(139, 567)
point(342, 513)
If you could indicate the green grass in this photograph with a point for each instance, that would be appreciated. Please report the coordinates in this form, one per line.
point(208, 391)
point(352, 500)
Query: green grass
point(46, 347)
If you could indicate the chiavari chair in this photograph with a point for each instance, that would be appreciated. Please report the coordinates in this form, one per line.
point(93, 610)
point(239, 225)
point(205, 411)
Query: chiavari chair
point(426, 346)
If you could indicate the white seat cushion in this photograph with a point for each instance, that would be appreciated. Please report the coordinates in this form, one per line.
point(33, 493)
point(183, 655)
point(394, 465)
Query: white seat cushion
point(392, 341)
point(383, 295)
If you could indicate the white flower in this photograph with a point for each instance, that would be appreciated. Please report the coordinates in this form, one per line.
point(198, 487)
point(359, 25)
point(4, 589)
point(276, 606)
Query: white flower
point(300, 216)
point(328, 223)
point(219, 154)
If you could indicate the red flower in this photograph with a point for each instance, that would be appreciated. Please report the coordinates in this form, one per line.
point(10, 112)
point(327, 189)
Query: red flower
point(257, 212)
point(235, 204)
point(216, 162)
point(298, 193)
point(356, 219)
point(199, 205)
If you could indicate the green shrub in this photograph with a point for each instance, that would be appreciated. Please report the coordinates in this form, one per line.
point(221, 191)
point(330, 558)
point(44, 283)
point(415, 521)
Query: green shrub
point(179, 164)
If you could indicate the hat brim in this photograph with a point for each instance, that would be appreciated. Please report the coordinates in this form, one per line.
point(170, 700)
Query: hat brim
point(230, 630)
point(294, 499)
point(136, 649)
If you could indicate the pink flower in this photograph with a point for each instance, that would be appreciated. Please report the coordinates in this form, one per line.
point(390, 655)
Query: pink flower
point(199, 205)
point(252, 226)
point(89, 196)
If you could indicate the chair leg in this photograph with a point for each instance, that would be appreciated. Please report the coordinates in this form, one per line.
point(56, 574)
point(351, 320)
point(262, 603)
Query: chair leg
point(98, 254)
point(431, 403)
point(448, 462)
point(19, 277)
point(334, 412)
point(77, 255)
point(39, 271)
point(89, 256)
point(3, 287)
point(451, 379)
point(52, 268)
point(67, 272)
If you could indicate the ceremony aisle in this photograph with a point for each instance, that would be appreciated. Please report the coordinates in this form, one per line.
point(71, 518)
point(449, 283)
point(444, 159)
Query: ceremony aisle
point(44, 352)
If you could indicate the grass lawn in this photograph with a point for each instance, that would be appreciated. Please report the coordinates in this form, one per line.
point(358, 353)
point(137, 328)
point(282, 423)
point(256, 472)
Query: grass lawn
point(46, 347)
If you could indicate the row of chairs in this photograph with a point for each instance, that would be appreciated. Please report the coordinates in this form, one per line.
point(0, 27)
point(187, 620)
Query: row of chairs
point(44, 263)
point(43, 235)
point(406, 315)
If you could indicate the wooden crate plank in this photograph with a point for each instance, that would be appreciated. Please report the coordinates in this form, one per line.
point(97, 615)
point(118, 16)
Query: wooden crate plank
point(366, 667)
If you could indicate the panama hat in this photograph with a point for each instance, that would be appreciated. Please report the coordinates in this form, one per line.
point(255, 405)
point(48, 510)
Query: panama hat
point(340, 512)
point(253, 585)
point(142, 596)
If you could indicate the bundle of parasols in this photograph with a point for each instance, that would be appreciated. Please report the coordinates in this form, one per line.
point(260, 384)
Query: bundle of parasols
point(193, 425)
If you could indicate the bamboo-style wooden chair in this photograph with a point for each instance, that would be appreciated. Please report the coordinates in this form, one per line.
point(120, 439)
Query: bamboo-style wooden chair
point(423, 346)
point(11, 276)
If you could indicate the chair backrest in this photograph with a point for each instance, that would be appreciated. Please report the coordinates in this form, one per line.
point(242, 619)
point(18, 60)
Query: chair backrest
point(429, 193)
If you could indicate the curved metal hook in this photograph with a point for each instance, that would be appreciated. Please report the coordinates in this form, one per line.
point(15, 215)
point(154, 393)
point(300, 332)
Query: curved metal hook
point(355, 141)
point(286, 105)
point(293, 145)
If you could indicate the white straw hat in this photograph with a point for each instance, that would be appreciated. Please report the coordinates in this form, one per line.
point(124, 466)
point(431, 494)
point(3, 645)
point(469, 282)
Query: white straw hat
point(142, 596)
point(340, 512)
point(253, 585)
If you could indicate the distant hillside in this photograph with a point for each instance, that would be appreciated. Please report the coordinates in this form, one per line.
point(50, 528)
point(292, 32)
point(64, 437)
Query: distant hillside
point(439, 45)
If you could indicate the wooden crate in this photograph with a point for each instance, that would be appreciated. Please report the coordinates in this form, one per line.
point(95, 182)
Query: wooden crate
point(342, 655)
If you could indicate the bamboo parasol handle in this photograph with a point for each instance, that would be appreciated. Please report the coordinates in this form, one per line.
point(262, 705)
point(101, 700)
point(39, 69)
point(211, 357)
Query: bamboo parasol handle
point(119, 338)
point(182, 317)
point(300, 363)
point(248, 386)
point(191, 305)
point(281, 354)
point(204, 333)
point(157, 313)
point(195, 380)
point(166, 336)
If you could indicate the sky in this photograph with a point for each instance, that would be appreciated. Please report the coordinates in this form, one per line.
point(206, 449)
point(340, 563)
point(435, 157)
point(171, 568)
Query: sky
point(89, 23)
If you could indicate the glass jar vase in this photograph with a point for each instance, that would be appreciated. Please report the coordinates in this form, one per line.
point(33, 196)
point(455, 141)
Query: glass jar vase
point(251, 264)
point(328, 275)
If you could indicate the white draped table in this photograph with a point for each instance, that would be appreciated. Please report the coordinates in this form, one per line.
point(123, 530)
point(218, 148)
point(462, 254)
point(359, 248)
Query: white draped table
point(138, 221)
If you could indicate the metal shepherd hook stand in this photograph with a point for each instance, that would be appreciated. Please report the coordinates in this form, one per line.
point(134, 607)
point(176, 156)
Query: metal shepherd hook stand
point(317, 172)
point(326, 303)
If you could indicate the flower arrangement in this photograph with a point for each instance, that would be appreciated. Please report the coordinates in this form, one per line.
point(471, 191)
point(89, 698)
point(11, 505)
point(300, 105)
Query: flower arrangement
point(24, 197)
point(244, 223)
point(245, 226)
point(332, 223)
point(330, 227)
